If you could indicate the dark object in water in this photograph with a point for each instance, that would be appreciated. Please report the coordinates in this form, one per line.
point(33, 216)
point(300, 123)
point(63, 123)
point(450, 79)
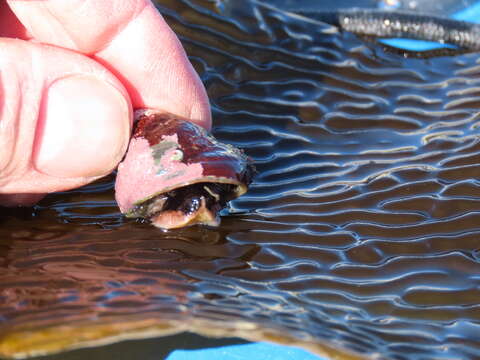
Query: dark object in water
point(400, 24)
point(176, 174)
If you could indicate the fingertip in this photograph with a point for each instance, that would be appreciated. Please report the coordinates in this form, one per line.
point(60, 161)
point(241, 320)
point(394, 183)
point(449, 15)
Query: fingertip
point(201, 115)
point(83, 128)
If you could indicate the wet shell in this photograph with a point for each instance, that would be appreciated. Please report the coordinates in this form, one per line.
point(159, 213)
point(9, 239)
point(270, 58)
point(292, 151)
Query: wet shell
point(176, 174)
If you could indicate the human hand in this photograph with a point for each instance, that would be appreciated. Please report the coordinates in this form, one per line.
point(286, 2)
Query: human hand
point(70, 74)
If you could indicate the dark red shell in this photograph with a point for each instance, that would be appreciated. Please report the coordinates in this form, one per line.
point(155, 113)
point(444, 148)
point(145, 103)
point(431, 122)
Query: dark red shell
point(167, 152)
point(218, 159)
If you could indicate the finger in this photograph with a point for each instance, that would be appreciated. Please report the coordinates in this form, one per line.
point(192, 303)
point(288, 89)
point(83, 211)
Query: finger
point(132, 40)
point(65, 119)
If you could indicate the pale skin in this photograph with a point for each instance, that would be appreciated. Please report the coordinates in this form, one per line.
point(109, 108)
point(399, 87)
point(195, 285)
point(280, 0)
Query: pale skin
point(71, 74)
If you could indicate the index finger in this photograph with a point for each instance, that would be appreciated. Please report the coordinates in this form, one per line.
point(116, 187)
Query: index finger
point(132, 40)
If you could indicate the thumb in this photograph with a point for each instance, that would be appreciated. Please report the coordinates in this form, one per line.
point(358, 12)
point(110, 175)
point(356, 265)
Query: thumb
point(65, 120)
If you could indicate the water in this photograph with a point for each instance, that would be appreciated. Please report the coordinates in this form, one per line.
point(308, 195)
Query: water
point(440, 7)
point(360, 233)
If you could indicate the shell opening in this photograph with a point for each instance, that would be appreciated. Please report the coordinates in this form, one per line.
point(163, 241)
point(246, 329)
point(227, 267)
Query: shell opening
point(193, 204)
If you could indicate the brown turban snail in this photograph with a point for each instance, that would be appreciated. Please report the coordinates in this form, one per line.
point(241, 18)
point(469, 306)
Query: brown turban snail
point(176, 174)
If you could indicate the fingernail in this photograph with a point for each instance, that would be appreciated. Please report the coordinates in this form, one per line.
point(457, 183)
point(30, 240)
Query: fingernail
point(83, 129)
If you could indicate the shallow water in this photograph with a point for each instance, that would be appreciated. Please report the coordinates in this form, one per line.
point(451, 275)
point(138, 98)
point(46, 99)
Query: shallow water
point(361, 231)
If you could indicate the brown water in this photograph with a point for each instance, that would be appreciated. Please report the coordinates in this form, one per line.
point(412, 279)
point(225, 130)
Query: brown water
point(361, 231)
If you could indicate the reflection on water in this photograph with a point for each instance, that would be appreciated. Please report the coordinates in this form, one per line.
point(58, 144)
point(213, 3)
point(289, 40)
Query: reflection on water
point(361, 230)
